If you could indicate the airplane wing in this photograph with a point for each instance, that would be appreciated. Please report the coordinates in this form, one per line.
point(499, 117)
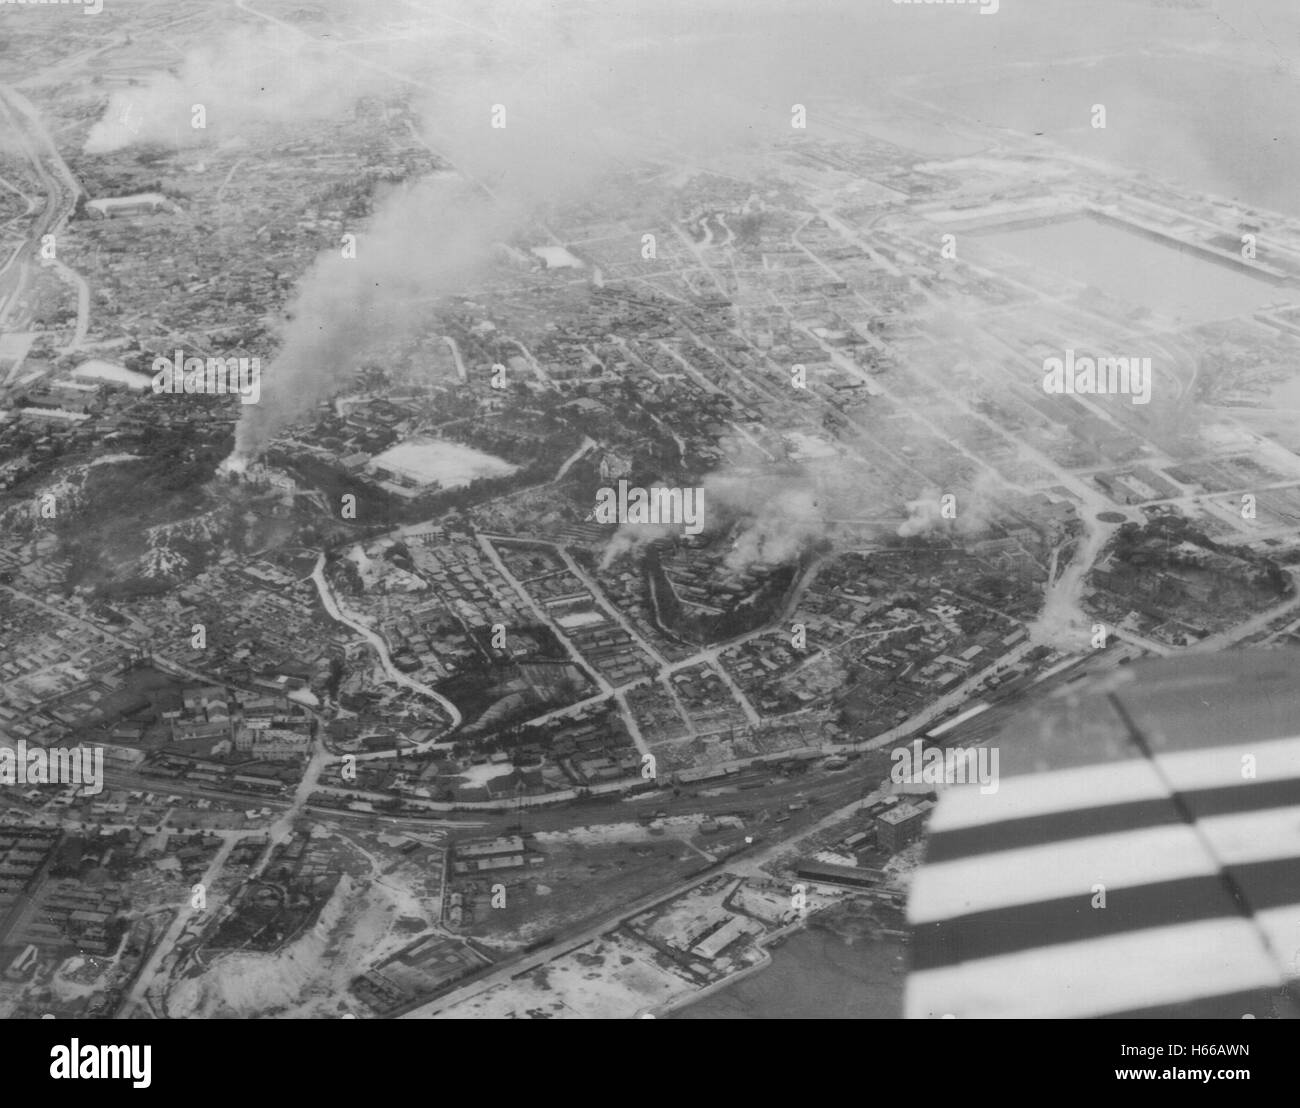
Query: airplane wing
point(1140, 857)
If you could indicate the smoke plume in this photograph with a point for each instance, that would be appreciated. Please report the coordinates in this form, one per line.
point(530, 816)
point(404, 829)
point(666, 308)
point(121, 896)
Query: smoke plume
point(248, 77)
point(425, 240)
point(588, 87)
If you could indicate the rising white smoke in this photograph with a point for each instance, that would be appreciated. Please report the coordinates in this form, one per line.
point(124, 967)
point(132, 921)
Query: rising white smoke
point(579, 94)
point(424, 242)
point(246, 77)
point(771, 516)
point(586, 86)
point(974, 509)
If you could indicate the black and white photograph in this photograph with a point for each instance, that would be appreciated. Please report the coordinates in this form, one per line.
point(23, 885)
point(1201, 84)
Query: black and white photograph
point(650, 509)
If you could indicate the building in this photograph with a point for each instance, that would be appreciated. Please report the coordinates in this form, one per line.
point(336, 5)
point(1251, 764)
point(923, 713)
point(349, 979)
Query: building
point(901, 825)
point(24, 965)
point(478, 855)
point(113, 207)
point(855, 877)
point(272, 743)
point(51, 415)
point(717, 941)
point(196, 700)
point(68, 396)
point(207, 714)
point(183, 729)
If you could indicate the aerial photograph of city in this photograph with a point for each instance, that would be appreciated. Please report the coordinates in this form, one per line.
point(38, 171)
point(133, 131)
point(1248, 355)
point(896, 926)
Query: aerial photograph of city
point(678, 509)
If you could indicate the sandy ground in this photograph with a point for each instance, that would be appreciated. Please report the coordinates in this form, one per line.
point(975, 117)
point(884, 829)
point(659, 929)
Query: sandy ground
point(769, 904)
point(309, 978)
point(448, 463)
point(833, 859)
point(480, 775)
point(604, 979)
point(380, 575)
point(65, 989)
point(607, 833)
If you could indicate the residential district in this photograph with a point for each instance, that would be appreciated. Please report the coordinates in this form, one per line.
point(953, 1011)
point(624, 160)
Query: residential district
point(392, 726)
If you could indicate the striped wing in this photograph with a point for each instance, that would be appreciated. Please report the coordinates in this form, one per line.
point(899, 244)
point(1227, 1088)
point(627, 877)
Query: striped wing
point(1141, 856)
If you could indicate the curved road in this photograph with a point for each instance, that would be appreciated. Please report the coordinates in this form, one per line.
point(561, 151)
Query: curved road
point(381, 648)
